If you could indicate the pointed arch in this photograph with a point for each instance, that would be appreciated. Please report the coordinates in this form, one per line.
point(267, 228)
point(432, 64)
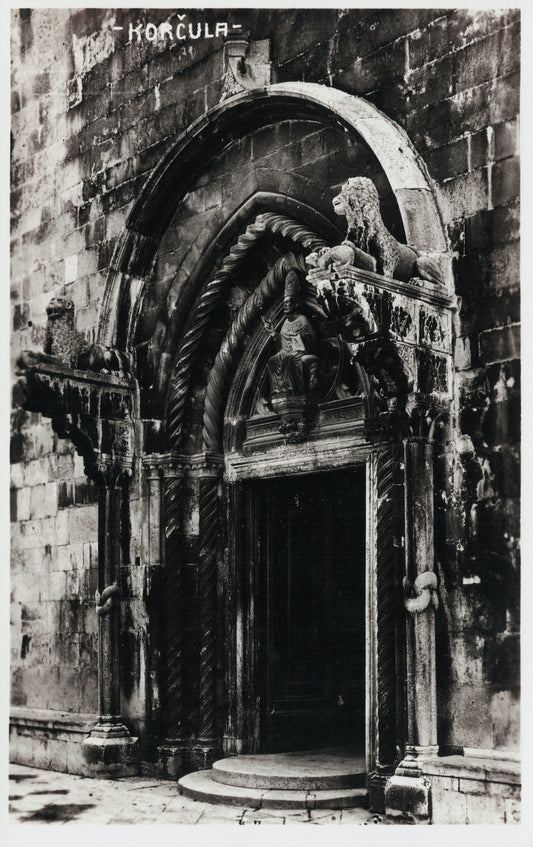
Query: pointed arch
point(152, 212)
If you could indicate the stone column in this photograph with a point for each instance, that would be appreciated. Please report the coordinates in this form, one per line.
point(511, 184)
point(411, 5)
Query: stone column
point(208, 469)
point(173, 486)
point(420, 586)
point(384, 648)
point(407, 792)
point(110, 750)
point(167, 530)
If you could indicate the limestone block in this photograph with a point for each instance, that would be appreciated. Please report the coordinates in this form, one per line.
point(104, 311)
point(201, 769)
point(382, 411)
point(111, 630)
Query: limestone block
point(61, 528)
point(23, 504)
point(448, 807)
point(482, 809)
point(43, 500)
point(36, 472)
point(512, 813)
point(16, 475)
point(56, 585)
point(408, 798)
point(25, 588)
point(83, 523)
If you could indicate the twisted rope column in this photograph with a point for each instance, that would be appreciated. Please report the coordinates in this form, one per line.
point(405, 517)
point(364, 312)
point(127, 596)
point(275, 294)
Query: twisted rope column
point(266, 222)
point(207, 591)
point(173, 481)
point(386, 609)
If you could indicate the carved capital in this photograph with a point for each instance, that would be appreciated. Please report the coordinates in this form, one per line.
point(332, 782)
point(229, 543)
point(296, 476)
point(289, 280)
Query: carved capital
point(112, 471)
point(206, 465)
point(165, 465)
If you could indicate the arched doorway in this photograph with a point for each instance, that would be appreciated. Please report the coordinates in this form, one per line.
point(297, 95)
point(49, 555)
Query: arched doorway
point(222, 474)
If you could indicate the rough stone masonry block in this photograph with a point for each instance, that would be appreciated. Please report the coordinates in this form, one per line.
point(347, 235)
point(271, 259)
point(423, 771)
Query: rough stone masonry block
point(23, 504)
point(448, 807)
point(505, 139)
point(83, 523)
point(111, 758)
point(408, 798)
point(505, 181)
point(501, 344)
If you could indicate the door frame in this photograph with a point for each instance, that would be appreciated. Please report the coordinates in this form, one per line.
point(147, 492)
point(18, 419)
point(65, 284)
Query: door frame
point(384, 617)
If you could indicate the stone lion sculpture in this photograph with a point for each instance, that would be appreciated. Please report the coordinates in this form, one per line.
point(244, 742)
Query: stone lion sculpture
point(369, 244)
point(64, 345)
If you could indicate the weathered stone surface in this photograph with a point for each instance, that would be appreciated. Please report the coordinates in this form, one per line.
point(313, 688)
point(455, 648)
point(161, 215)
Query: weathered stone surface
point(92, 116)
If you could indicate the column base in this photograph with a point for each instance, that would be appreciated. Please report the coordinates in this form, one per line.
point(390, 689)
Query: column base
point(413, 761)
point(376, 791)
point(110, 752)
point(407, 799)
point(180, 757)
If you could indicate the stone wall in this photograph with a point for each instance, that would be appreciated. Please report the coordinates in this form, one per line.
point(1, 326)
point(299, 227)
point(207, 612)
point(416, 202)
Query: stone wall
point(92, 115)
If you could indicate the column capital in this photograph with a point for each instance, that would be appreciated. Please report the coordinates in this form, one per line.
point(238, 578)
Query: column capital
point(111, 470)
point(427, 420)
point(164, 465)
point(206, 465)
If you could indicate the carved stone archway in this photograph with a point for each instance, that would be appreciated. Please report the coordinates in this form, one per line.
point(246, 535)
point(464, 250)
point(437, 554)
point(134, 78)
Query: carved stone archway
point(152, 211)
point(415, 387)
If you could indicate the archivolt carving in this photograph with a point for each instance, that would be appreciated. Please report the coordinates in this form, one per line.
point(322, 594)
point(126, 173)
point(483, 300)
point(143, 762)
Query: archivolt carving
point(264, 292)
point(267, 221)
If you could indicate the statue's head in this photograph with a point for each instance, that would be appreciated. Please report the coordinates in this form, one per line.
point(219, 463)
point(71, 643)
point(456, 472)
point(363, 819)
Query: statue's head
point(291, 296)
point(60, 306)
point(357, 201)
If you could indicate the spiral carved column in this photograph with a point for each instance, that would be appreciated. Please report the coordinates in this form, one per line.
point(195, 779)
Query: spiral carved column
point(173, 488)
point(208, 473)
point(385, 609)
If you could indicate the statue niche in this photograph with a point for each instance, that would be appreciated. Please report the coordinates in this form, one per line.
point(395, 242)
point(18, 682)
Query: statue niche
point(368, 244)
point(294, 368)
point(293, 371)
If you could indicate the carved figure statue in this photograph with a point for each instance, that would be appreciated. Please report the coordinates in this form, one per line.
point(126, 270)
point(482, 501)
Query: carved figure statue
point(66, 346)
point(294, 368)
point(369, 244)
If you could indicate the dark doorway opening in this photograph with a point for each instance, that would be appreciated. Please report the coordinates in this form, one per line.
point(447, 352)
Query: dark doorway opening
point(311, 543)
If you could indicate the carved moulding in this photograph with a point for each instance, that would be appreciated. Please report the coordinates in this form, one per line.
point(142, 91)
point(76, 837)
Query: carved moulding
point(267, 222)
point(400, 337)
point(95, 411)
point(260, 298)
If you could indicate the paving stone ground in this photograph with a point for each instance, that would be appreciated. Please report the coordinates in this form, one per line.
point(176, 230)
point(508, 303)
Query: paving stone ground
point(39, 796)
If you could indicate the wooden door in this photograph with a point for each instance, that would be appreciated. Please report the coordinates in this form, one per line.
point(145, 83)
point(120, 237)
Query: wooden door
point(312, 552)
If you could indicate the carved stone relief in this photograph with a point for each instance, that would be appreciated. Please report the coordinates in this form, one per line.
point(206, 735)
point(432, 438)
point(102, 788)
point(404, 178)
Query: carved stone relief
point(64, 345)
point(368, 244)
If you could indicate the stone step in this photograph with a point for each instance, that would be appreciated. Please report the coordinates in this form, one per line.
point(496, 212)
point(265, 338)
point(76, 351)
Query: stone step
point(309, 770)
point(201, 786)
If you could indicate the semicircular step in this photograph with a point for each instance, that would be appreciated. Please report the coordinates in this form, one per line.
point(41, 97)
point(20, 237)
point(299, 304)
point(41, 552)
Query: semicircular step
point(200, 785)
point(309, 770)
